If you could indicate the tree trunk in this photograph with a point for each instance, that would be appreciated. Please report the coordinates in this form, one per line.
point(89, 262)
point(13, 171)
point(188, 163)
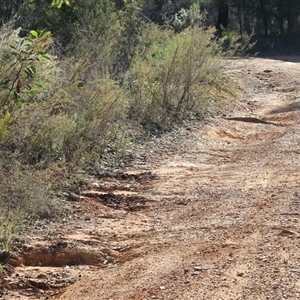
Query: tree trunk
point(246, 23)
point(222, 15)
point(290, 18)
point(263, 10)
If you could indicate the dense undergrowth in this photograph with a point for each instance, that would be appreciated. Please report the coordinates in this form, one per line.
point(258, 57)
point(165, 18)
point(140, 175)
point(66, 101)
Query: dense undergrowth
point(86, 109)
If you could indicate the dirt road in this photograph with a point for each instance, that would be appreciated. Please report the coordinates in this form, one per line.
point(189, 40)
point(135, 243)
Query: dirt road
point(210, 211)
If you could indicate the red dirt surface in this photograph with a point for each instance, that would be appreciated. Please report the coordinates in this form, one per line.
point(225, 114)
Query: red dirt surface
point(209, 211)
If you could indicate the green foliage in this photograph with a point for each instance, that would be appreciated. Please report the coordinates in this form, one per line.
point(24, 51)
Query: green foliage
point(103, 108)
point(185, 18)
point(235, 44)
point(107, 39)
point(84, 109)
point(59, 3)
point(172, 75)
point(20, 59)
point(8, 230)
point(79, 132)
point(3, 125)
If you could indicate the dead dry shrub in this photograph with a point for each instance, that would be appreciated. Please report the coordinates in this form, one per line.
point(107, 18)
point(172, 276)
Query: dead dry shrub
point(24, 192)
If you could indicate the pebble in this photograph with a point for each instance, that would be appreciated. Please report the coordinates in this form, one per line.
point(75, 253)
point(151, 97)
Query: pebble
point(195, 273)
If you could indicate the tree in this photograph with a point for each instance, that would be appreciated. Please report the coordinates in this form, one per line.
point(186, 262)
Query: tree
point(222, 14)
point(264, 15)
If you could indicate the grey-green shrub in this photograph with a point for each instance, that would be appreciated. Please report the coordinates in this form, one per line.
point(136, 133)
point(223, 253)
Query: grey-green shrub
point(170, 78)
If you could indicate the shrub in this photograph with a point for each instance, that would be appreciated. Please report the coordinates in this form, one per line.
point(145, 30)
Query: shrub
point(63, 115)
point(23, 194)
point(75, 112)
point(106, 43)
point(170, 80)
point(20, 58)
point(8, 230)
point(75, 127)
point(102, 109)
point(234, 44)
point(185, 18)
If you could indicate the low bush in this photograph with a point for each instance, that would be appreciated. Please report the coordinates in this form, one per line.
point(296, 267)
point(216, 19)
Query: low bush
point(171, 79)
point(21, 58)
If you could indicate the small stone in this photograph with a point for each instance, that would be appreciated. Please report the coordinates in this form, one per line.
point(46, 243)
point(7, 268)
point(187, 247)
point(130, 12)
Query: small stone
point(240, 274)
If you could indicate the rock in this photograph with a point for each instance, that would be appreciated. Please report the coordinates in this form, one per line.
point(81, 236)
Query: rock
point(195, 273)
point(110, 252)
point(16, 260)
